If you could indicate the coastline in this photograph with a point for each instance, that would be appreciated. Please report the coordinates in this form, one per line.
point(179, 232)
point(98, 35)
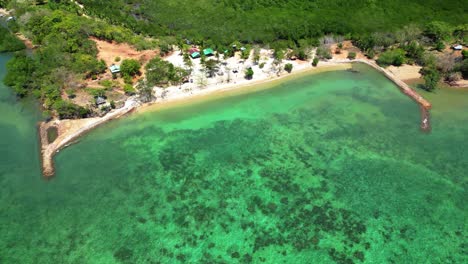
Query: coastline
point(71, 130)
point(231, 89)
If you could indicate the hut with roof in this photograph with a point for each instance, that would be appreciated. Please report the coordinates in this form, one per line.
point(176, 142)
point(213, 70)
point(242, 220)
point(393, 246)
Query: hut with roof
point(457, 47)
point(114, 68)
point(208, 52)
point(194, 53)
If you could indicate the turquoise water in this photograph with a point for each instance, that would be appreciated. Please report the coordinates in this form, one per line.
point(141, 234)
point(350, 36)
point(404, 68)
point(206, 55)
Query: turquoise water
point(329, 168)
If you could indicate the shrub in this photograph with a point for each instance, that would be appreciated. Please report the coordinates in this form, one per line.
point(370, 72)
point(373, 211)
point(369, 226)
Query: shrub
point(278, 55)
point(262, 65)
point(352, 55)
point(394, 57)
point(288, 67)
point(67, 110)
point(249, 74)
point(302, 55)
point(71, 93)
point(370, 54)
point(129, 90)
point(438, 31)
point(256, 56)
point(164, 49)
point(465, 54)
point(130, 67)
point(117, 59)
point(464, 68)
point(431, 77)
point(9, 42)
point(161, 72)
point(323, 52)
point(315, 62)
point(440, 46)
point(128, 79)
point(106, 84)
point(96, 92)
point(245, 53)
point(112, 104)
point(454, 77)
point(414, 51)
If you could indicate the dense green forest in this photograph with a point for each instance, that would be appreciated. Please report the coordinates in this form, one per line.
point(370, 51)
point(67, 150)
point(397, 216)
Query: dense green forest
point(9, 42)
point(264, 21)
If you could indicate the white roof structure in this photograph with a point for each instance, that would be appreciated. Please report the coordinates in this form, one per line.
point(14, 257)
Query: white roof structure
point(114, 68)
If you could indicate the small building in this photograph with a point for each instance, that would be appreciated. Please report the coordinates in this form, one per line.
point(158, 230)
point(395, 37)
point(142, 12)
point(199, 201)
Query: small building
point(457, 47)
point(192, 50)
point(208, 52)
point(100, 100)
point(114, 68)
point(195, 55)
point(243, 48)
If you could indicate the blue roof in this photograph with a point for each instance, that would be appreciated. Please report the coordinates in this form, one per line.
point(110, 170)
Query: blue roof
point(114, 68)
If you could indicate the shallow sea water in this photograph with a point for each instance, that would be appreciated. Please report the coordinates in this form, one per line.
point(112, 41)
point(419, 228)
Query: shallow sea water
point(328, 168)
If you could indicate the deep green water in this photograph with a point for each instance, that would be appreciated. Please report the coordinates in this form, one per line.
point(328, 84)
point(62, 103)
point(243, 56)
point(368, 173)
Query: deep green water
point(327, 168)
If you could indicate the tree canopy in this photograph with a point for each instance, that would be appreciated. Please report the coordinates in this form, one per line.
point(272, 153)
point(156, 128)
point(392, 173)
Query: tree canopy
point(225, 21)
point(9, 42)
point(161, 72)
point(130, 67)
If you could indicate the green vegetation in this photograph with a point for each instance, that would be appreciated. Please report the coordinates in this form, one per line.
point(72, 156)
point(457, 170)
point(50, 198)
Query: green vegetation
point(315, 62)
point(465, 54)
point(226, 21)
point(211, 67)
point(464, 68)
point(288, 67)
point(323, 52)
point(130, 67)
point(431, 77)
point(67, 110)
point(249, 74)
point(302, 55)
point(352, 55)
point(394, 57)
point(66, 54)
point(9, 42)
point(129, 90)
point(163, 73)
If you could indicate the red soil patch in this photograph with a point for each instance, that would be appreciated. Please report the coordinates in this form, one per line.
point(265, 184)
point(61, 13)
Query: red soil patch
point(347, 48)
point(108, 51)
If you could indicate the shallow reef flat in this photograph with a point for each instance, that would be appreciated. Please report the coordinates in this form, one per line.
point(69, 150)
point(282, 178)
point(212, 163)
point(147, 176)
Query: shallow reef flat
point(328, 168)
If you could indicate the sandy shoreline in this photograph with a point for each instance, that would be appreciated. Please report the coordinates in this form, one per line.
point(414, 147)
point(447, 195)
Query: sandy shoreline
point(231, 89)
point(70, 130)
